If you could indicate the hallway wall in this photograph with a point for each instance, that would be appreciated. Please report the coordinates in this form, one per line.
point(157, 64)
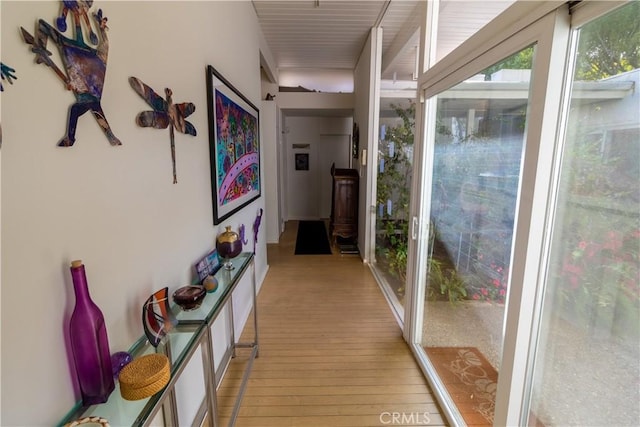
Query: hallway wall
point(366, 116)
point(324, 140)
point(115, 208)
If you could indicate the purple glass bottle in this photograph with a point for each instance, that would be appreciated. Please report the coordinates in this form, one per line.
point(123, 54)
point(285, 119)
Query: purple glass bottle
point(89, 343)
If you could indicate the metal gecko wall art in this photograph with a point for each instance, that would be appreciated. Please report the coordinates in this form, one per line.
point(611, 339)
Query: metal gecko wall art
point(6, 73)
point(84, 66)
point(165, 114)
point(256, 228)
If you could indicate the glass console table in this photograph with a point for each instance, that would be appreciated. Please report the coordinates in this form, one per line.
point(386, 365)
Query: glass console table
point(192, 332)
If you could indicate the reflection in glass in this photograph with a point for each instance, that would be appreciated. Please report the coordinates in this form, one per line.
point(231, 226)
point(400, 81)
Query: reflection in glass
point(479, 139)
point(587, 369)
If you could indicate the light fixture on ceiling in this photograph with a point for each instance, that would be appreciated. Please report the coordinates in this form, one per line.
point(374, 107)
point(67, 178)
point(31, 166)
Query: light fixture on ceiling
point(317, 3)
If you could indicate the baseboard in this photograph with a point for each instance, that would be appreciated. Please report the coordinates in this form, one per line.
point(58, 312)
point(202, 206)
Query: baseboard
point(260, 281)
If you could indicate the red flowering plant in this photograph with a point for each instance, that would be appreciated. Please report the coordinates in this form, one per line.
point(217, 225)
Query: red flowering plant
point(603, 274)
point(490, 287)
point(487, 275)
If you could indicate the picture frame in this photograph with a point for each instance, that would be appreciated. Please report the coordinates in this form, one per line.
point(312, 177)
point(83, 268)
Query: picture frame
point(234, 147)
point(208, 265)
point(302, 161)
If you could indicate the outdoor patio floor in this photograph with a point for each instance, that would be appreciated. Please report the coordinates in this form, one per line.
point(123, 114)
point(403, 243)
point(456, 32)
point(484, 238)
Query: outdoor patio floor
point(592, 376)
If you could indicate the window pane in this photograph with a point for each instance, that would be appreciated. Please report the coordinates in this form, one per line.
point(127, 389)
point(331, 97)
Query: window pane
point(587, 367)
point(479, 138)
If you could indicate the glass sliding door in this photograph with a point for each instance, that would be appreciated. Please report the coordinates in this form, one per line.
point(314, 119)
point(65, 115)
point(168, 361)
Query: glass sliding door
point(394, 175)
point(456, 22)
point(478, 145)
point(587, 364)
point(524, 303)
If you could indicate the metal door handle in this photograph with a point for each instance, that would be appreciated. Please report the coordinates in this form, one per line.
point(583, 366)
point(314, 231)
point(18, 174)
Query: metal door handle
point(414, 228)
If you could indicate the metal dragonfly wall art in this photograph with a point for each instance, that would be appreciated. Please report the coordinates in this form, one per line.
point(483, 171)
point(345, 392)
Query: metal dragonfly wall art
point(165, 114)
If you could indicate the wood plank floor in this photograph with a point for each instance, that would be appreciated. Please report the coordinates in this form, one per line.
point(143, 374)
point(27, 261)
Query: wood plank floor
point(331, 353)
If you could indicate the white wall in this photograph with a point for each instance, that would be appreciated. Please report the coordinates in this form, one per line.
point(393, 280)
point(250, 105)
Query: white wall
point(316, 107)
point(268, 121)
point(328, 140)
point(271, 142)
point(113, 207)
point(365, 115)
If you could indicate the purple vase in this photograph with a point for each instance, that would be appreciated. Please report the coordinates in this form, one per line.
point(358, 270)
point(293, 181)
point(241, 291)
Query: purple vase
point(228, 245)
point(89, 343)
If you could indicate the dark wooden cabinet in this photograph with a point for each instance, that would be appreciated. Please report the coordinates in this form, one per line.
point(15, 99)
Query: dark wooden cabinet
point(344, 203)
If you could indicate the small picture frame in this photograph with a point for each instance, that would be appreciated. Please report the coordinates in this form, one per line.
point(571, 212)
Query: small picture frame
point(302, 161)
point(208, 265)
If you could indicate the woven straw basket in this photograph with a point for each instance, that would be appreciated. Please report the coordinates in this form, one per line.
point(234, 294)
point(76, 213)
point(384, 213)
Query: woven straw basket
point(89, 420)
point(144, 376)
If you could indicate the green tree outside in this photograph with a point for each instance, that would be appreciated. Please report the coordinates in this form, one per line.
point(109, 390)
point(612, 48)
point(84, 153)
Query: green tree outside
point(610, 47)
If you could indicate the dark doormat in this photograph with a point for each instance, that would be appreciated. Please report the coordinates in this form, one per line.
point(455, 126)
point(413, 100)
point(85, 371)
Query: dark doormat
point(312, 239)
point(348, 246)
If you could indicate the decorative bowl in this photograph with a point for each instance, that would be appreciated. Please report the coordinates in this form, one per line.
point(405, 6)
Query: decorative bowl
point(189, 297)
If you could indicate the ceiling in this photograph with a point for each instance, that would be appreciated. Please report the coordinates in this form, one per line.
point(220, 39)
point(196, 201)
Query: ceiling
point(330, 34)
point(312, 36)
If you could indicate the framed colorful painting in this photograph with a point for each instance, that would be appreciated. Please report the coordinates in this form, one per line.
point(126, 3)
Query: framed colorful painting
point(234, 147)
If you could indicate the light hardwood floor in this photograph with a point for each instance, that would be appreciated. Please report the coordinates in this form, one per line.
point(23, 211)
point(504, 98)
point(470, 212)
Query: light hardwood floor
point(331, 353)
